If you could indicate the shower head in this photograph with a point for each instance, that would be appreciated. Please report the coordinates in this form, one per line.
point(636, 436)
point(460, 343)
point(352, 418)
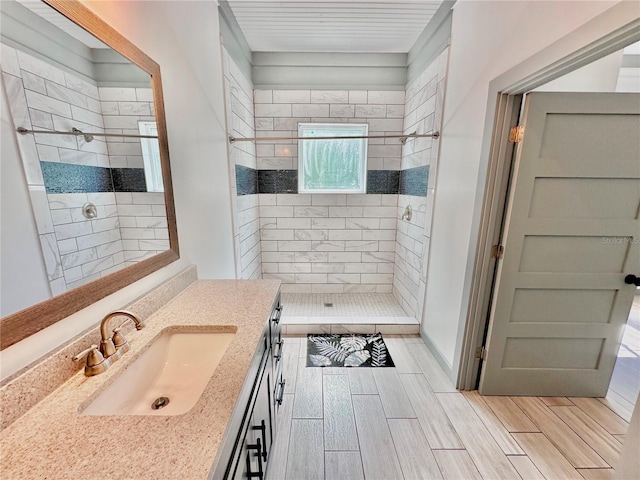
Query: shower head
point(87, 136)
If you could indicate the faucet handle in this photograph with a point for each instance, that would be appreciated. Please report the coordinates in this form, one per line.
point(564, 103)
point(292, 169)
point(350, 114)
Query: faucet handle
point(94, 357)
point(95, 361)
point(118, 338)
point(80, 355)
point(119, 327)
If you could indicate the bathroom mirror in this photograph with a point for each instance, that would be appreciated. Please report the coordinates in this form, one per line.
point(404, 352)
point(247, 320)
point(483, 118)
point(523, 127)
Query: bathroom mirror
point(100, 195)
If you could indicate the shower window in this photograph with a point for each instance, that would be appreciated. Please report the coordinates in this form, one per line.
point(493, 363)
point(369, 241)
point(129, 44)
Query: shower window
point(334, 165)
point(151, 156)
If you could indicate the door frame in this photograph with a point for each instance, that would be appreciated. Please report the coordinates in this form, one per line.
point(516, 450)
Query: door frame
point(500, 159)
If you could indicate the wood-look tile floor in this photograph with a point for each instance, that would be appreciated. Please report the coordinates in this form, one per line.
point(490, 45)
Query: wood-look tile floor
point(409, 422)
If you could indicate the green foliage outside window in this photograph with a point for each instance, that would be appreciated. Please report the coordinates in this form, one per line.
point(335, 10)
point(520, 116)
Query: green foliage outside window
point(332, 165)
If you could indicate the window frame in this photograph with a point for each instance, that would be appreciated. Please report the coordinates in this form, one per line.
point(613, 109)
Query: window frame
point(151, 156)
point(302, 127)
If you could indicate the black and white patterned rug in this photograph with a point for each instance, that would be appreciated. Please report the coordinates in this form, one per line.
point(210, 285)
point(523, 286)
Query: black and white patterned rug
point(347, 350)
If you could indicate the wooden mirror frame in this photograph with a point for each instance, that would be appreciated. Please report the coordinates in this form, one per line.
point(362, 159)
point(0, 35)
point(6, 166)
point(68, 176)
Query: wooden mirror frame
point(22, 324)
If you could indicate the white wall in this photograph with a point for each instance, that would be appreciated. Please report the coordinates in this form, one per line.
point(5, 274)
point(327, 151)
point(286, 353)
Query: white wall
point(488, 38)
point(599, 76)
point(183, 37)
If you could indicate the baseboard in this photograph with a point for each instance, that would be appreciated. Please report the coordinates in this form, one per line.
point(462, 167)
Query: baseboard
point(439, 358)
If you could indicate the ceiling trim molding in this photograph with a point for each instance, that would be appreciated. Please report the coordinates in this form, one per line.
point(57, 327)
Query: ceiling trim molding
point(329, 59)
point(28, 32)
point(332, 71)
point(233, 39)
point(24, 30)
point(432, 41)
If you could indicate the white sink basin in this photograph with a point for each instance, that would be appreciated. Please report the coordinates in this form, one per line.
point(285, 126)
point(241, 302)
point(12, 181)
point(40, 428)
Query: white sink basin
point(177, 366)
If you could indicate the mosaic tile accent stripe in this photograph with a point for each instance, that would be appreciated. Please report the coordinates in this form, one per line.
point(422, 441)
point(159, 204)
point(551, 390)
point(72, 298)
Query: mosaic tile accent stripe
point(128, 180)
point(383, 181)
point(246, 180)
point(72, 178)
point(277, 181)
point(414, 181)
point(250, 181)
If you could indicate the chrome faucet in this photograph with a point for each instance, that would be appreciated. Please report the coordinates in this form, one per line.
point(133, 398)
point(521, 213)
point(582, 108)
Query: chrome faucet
point(111, 348)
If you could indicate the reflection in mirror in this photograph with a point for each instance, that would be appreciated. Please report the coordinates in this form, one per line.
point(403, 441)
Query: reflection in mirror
point(129, 223)
point(96, 189)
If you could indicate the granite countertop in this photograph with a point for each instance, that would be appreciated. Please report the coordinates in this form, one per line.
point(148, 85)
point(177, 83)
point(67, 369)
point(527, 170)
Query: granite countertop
point(54, 441)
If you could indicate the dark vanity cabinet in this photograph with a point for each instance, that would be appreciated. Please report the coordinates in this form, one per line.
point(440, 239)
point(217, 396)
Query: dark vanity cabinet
point(246, 450)
point(258, 434)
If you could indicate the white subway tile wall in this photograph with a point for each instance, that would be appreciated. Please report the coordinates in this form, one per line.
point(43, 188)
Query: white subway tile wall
point(333, 243)
point(278, 112)
point(241, 123)
point(324, 244)
point(422, 114)
point(88, 249)
point(77, 250)
point(143, 225)
point(122, 108)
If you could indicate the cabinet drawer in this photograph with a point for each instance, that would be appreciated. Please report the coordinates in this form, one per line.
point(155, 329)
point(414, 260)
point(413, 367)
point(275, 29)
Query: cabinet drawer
point(258, 438)
point(250, 463)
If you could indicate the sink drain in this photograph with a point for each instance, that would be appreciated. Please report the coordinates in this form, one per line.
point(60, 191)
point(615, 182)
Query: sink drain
point(160, 402)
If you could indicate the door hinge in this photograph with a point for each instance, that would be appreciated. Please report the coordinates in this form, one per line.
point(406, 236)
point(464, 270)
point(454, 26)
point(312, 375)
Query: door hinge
point(497, 251)
point(481, 353)
point(516, 134)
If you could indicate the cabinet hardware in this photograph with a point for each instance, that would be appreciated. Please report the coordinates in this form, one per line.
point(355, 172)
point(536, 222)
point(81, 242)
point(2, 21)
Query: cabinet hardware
point(281, 397)
point(263, 432)
point(279, 355)
point(259, 474)
point(276, 319)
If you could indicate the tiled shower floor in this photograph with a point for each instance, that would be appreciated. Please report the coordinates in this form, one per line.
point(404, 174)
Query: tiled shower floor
point(348, 313)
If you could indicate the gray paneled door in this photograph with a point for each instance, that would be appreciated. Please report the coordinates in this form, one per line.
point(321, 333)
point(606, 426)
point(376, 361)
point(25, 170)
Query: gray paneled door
point(572, 234)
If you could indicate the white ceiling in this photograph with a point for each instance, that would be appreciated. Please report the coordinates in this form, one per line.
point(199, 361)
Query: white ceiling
point(63, 23)
point(334, 25)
